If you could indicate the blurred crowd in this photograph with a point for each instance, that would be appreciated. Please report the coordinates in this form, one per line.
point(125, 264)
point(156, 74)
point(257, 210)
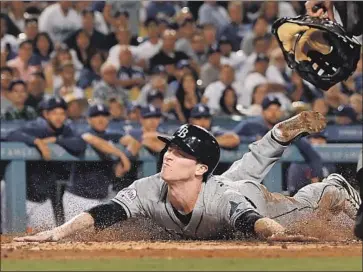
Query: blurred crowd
point(147, 62)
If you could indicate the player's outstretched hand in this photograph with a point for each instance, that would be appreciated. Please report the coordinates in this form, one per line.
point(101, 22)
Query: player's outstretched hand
point(45, 236)
point(283, 237)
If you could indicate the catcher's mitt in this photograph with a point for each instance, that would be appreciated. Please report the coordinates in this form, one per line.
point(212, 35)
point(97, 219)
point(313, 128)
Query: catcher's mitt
point(320, 50)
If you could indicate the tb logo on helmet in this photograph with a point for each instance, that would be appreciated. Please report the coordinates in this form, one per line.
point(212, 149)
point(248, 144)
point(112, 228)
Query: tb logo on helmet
point(182, 133)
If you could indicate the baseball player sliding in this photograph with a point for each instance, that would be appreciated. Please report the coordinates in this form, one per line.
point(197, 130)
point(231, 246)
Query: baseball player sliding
point(186, 199)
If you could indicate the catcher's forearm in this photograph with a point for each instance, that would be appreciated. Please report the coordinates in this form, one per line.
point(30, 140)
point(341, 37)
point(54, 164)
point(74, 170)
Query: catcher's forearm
point(266, 227)
point(80, 222)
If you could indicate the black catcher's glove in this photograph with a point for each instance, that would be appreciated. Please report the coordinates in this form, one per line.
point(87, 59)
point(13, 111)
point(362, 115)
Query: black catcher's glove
point(318, 49)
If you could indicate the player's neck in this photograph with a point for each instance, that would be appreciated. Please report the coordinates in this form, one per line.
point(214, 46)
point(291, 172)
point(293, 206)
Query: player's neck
point(184, 195)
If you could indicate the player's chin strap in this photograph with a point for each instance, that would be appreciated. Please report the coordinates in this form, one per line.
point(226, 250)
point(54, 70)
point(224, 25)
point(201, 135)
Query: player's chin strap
point(318, 49)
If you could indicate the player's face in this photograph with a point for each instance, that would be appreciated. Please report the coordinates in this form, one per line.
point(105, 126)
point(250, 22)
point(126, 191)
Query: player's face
point(178, 165)
point(56, 117)
point(273, 114)
point(99, 123)
point(204, 122)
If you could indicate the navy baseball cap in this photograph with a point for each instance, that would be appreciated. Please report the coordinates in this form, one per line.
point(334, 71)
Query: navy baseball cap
point(183, 63)
point(150, 111)
point(224, 40)
point(97, 110)
point(347, 111)
point(270, 100)
point(55, 102)
point(200, 111)
point(154, 94)
point(262, 57)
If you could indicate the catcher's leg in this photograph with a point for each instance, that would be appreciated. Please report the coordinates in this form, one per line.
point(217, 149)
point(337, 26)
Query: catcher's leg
point(264, 153)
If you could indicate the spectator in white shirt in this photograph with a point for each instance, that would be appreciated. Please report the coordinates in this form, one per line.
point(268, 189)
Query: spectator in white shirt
point(123, 36)
point(259, 76)
point(210, 71)
point(210, 12)
point(151, 46)
point(186, 32)
point(99, 22)
point(210, 35)
point(235, 59)
point(199, 49)
point(68, 80)
point(259, 29)
point(16, 14)
point(214, 91)
point(59, 20)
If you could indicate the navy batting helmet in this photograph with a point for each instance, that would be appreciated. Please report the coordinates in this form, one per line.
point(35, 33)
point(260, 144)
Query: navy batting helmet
point(197, 142)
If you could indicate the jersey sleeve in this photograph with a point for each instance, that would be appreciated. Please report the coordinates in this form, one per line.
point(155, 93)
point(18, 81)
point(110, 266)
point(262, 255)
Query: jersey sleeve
point(233, 205)
point(129, 199)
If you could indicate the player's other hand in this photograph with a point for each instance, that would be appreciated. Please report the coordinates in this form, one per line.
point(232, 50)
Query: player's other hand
point(45, 236)
point(284, 237)
point(321, 9)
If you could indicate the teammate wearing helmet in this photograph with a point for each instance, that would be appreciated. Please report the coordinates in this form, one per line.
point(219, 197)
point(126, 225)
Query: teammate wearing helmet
point(187, 200)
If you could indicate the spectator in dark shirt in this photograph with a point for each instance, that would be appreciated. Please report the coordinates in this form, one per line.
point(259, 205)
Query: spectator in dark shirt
point(36, 90)
point(201, 116)
point(160, 7)
point(83, 49)
point(97, 39)
point(42, 48)
point(6, 74)
point(91, 74)
point(228, 102)
point(236, 30)
point(167, 56)
point(18, 109)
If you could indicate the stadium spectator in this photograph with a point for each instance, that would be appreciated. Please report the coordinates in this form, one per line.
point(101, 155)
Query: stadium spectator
point(22, 62)
point(123, 38)
point(68, 78)
point(43, 48)
point(270, 11)
point(260, 76)
point(129, 75)
point(155, 98)
point(108, 86)
point(200, 115)
point(17, 95)
point(236, 30)
point(36, 90)
point(83, 50)
point(5, 37)
point(59, 20)
point(199, 53)
point(214, 91)
point(355, 101)
point(255, 109)
point(210, 35)
point(185, 34)
point(345, 115)
point(152, 43)
point(167, 55)
point(133, 114)
point(132, 8)
point(90, 181)
point(99, 22)
point(30, 29)
point(154, 8)
point(211, 70)
point(90, 75)
point(211, 13)
point(157, 82)
point(97, 38)
point(253, 129)
point(182, 67)
point(228, 103)
point(188, 94)
point(6, 74)
point(42, 176)
point(53, 70)
point(299, 175)
point(260, 28)
point(16, 14)
point(235, 59)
